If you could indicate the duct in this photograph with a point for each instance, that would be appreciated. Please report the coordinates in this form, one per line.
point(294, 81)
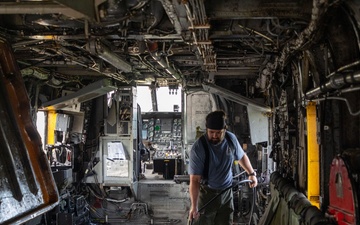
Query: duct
point(88, 8)
point(170, 11)
point(235, 97)
point(38, 8)
point(87, 93)
point(99, 49)
point(336, 82)
point(158, 13)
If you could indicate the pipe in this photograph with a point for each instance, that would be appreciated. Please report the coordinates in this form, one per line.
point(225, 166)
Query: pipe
point(336, 82)
point(351, 112)
point(99, 49)
point(38, 8)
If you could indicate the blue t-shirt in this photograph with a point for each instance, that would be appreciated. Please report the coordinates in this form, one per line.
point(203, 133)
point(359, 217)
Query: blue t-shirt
point(221, 159)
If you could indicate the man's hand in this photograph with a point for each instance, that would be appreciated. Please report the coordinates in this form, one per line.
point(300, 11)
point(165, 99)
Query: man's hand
point(193, 214)
point(254, 181)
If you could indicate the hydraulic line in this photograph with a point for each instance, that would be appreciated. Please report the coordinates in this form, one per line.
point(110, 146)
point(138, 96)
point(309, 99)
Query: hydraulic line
point(351, 112)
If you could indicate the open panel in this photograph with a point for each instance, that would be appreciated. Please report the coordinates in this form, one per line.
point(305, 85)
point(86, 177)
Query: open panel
point(27, 186)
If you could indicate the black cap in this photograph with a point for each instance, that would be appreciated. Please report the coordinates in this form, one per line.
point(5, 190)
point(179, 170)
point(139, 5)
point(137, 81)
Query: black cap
point(216, 120)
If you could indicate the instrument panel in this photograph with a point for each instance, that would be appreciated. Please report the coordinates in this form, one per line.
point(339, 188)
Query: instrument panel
point(163, 129)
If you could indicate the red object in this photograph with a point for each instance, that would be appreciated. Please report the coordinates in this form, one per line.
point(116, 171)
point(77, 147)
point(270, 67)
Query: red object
point(69, 156)
point(342, 193)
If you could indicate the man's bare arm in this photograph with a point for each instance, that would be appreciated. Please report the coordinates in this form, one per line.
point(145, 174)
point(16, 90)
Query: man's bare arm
point(194, 190)
point(246, 165)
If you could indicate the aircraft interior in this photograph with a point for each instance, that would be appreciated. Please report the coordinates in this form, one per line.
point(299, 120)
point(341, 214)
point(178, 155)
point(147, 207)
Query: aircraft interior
point(102, 100)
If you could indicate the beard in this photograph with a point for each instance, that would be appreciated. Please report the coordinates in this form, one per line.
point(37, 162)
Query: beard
point(216, 141)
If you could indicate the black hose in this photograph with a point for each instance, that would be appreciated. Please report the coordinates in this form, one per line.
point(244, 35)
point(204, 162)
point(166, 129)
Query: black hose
point(252, 205)
point(216, 196)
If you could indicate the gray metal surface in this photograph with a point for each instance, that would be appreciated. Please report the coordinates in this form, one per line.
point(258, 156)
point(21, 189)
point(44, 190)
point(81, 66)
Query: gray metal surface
point(167, 200)
point(212, 88)
point(199, 104)
point(27, 187)
point(87, 93)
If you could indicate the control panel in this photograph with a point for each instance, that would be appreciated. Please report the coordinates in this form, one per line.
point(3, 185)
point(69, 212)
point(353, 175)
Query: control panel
point(164, 130)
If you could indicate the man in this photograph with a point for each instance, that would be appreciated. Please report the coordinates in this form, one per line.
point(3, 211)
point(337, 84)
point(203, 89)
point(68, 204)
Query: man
point(223, 149)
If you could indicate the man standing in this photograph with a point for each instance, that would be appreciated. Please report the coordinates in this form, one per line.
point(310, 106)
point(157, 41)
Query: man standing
point(214, 162)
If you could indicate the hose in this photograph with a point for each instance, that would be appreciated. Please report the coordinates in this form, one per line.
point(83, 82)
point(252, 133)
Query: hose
point(224, 190)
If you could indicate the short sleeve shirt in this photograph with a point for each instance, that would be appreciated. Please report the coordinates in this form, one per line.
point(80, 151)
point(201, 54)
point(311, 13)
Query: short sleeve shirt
point(221, 159)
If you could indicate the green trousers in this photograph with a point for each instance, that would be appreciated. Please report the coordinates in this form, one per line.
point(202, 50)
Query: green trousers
point(219, 212)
